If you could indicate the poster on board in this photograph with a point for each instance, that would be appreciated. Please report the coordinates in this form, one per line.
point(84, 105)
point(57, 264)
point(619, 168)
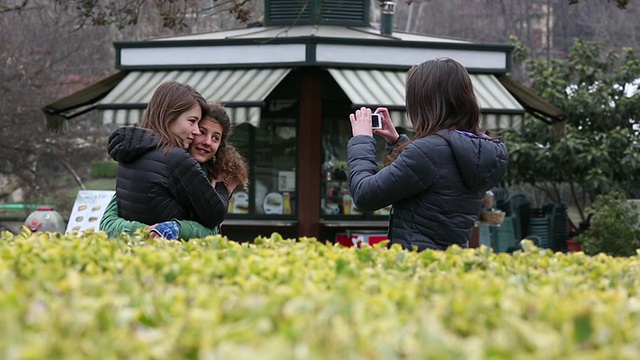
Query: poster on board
point(88, 210)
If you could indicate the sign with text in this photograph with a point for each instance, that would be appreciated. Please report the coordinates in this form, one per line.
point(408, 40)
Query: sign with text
point(88, 210)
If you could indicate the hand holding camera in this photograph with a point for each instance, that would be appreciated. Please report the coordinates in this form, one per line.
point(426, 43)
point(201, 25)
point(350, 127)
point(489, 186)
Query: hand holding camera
point(386, 130)
point(364, 122)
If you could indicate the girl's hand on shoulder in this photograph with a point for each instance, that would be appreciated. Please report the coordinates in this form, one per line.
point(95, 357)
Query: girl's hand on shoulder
point(153, 234)
point(231, 187)
point(388, 131)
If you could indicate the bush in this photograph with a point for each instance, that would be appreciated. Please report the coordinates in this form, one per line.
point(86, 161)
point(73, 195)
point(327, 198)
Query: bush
point(104, 169)
point(613, 229)
point(134, 297)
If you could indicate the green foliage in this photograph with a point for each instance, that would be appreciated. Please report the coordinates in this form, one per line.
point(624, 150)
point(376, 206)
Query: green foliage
point(600, 150)
point(614, 227)
point(520, 51)
point(134, 297)
point(104, 169)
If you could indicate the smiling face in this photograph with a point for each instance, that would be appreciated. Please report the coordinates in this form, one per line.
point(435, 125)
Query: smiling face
point(185, 127)
point(206, 144)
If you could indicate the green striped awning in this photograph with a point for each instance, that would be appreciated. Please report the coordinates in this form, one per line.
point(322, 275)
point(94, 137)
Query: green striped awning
point(122, 117)
point(242, 91)
point(78, 103)
point(378, 88)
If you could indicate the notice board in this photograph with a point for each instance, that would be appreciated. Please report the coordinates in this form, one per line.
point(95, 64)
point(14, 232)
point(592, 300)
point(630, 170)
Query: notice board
point(88, 210)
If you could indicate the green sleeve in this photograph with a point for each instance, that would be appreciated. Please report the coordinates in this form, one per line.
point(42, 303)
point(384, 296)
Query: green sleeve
point(190, 229)
point(114, 225)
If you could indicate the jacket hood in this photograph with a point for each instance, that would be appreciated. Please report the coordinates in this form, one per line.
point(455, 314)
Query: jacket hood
point(127, 143)
point(481, 161)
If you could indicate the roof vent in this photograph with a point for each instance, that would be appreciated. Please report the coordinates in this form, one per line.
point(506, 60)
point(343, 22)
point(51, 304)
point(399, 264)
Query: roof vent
point(386, 20)
point(307, 12)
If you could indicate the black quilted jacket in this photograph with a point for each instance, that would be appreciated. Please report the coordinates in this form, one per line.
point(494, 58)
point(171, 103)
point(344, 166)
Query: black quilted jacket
point(153, 186)
point(436, 185)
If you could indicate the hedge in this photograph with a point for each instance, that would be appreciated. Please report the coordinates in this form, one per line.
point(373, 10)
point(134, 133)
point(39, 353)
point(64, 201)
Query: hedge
point(135, 297)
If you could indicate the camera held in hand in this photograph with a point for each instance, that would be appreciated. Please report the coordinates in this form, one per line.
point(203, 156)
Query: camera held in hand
point(376, 121)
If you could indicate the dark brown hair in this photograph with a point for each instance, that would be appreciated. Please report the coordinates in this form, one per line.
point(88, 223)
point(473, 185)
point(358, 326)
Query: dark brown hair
point(169, 101)
point(439, 95)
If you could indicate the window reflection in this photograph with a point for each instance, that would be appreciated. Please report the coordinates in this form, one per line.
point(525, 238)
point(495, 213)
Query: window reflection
point(271, 151)
point(335, 198)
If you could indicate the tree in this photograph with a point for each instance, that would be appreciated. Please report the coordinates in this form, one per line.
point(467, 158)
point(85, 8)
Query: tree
point(32, 52)
point(177, 14)
point(601, 149)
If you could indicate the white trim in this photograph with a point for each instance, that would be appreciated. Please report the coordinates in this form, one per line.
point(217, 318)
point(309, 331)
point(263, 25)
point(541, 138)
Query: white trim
point(388, 55)
point(296, 53)
point(213, 55)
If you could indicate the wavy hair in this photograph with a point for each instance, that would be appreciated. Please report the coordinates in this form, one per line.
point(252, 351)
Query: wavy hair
point(230, 166)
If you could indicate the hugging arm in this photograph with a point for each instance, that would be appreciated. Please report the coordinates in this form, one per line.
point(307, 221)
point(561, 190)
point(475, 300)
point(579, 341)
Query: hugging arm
point(209, 204)
point(113, 224)
point(190, 229)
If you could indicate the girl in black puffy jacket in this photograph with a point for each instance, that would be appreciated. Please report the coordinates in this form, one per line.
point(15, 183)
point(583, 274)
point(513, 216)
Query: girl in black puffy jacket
point(158, 180)
point(435, 181)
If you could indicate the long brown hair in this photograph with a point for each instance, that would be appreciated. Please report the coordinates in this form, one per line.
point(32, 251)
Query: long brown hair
point(439, 95)
point(169, 101)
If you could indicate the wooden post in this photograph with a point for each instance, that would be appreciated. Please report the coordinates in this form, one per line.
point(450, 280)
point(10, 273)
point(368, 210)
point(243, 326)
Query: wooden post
point(309, 154)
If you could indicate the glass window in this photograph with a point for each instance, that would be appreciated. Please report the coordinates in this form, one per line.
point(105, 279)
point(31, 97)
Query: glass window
point(335, 200)
point(271, 152)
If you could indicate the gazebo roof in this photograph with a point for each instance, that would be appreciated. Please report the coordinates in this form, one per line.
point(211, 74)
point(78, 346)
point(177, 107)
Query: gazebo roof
point(318, 31)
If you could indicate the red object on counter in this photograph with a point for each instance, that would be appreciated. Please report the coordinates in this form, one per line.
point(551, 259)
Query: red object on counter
point(358, 237)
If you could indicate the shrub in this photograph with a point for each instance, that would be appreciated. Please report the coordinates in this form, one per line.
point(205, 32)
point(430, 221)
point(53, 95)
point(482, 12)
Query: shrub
point(613, 229)
point(104, 169)
point(134, 297)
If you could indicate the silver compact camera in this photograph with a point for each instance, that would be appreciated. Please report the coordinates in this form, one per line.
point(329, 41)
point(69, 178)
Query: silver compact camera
point(376, 121)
